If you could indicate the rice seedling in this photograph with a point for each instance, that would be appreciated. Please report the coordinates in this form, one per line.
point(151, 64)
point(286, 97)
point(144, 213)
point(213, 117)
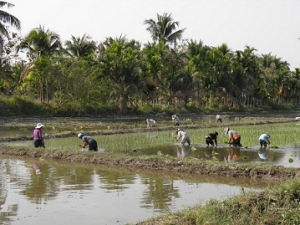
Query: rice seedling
point(282, 134)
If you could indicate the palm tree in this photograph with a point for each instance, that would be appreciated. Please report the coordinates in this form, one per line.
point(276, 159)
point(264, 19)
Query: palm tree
point(80, 46)
point(164, 29)
point(246, 72)
point(119, 59)
point(7, 19)
point(41, 42)
point(41, 46)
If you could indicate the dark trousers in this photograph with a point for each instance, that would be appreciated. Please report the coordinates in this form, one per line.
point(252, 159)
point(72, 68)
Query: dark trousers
point(209, 141)
point(236, 142)
point(263, 143)
point(38, 143)
point(93, 145)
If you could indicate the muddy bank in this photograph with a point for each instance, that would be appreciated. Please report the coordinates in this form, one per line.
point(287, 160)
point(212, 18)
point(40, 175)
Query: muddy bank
point(161, 163)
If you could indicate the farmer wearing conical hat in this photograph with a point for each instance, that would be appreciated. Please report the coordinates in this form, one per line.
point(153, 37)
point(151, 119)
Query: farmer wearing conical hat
point(38, 139)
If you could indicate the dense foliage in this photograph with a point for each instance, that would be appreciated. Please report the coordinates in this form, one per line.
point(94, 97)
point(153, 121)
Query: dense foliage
point(83, 76)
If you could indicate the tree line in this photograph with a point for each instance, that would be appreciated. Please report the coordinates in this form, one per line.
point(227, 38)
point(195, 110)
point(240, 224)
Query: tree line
point(82, 75)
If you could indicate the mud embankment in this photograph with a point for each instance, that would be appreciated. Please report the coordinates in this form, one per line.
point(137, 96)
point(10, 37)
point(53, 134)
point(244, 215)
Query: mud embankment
point(169, 164)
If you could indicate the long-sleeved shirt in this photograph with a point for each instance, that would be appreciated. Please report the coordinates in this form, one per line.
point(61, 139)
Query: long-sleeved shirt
point(264, 137)
point(86, 139)
point(231, 133)
point(213, 136)
point(37, 134)
point(181, 134)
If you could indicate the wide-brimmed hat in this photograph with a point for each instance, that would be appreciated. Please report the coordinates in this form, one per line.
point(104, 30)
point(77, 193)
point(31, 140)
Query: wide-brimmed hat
point(226, 130)
point(80, 135)
point(39, 125)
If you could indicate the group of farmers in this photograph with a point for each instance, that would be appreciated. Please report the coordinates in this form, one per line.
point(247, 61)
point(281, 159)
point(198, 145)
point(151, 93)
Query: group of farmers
point(210, 139)
point(38, 139)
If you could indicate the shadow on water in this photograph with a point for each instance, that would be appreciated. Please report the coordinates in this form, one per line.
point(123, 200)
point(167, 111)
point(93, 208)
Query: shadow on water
point(288, 156)
point(85, 194)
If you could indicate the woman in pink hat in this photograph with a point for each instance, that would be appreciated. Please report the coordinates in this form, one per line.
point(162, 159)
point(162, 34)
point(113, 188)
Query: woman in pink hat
point(38, 139)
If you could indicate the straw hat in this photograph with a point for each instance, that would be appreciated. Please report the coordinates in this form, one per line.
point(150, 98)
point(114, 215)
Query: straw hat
point(39, 125)
point(80, 135)
point(226, 130)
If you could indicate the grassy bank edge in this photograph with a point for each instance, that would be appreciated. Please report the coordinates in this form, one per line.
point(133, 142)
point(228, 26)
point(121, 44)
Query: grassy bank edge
point(277, 205)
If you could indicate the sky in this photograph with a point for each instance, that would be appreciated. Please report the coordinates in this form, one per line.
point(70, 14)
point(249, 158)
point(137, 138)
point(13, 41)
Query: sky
point(269, 26)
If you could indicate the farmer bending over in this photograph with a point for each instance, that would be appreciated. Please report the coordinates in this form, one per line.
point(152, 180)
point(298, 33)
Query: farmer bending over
point(211, 138)
point(264, 140)
point(234, 137)
point(87, 140)
point(175, 120)
point(183, 136)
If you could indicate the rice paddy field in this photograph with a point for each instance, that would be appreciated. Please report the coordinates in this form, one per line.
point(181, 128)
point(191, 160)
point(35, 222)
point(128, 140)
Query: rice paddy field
point(129, 138)
point(282, 134)
point(128, 134)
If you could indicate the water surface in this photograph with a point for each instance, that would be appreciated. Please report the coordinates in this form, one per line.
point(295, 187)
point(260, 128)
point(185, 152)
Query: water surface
point(67, 193)
point(288, 156)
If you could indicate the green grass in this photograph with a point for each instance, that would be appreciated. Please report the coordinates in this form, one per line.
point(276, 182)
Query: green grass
point(280, 205)
point(282, 134)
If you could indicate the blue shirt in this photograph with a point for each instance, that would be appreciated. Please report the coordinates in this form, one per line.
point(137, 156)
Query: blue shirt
point(86, 138)
point(264, 137)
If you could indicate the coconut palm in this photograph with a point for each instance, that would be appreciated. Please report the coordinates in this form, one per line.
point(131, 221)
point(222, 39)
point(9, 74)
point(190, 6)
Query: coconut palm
point(164, 29)
point(41, 45)
point(7, 19)
point(41, 42)
point(80, 46)
point(120, 62)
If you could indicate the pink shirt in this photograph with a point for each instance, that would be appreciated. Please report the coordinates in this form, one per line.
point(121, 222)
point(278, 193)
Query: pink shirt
point(37, 134)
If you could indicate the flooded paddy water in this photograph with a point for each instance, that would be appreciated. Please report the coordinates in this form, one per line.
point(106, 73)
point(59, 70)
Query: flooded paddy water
point(287, 156)
point(66, 193)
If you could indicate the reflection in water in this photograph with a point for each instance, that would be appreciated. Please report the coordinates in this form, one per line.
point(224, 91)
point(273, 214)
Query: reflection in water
point(208, 152)
point(11, 211)
point(234, 154)
point(263, 152)
point(78, 194)
point(183, 151)
point(280, 157)
point(159, 194)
